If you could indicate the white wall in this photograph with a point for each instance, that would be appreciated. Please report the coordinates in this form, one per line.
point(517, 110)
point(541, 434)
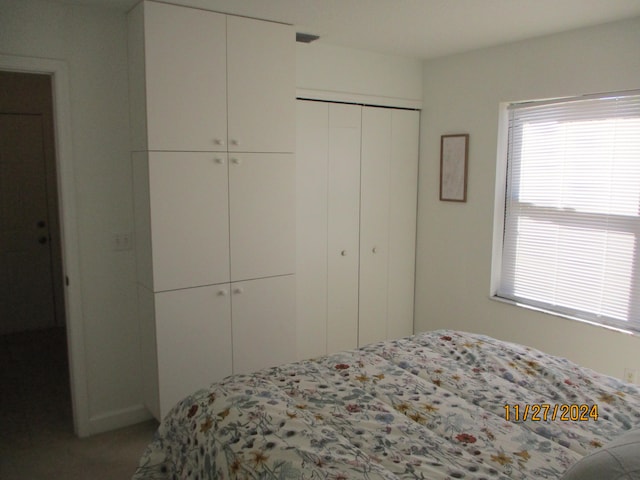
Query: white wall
point(461, 95)
point(356, 75)
point(92, 42)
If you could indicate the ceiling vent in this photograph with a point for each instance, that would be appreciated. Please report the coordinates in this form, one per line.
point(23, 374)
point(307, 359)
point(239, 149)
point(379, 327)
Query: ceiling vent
point(306, 37)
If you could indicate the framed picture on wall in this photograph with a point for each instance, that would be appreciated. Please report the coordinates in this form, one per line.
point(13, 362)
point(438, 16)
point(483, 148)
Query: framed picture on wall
point(454, 152)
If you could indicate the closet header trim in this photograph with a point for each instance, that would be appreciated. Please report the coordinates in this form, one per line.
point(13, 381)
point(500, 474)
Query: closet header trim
point(358, 99)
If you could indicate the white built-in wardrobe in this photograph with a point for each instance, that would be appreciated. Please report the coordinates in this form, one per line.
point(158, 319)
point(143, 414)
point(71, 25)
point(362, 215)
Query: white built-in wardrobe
point(213, 131)
point(357, 178)
point(217, 189)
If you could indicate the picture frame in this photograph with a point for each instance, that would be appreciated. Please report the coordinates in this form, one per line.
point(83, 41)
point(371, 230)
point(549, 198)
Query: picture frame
point(454, 153)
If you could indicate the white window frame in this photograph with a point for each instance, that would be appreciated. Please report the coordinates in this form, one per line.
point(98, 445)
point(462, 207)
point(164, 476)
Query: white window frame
point(499, 224)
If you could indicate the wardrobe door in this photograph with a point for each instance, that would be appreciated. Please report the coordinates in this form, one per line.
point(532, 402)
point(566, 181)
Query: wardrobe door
point(403, 197)
point(261, 85)
point(262, 206)
point(186, 93)
point(312, 152)
point(193, 328)
point(189, 219)
point(374, 224)
point(264, 323)
point(343, 200)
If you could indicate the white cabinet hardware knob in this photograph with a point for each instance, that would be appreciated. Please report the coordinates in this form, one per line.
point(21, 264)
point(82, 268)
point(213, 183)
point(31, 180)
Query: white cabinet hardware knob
point(222, 293)
point(238, 290)
point(218, 141)
point(235, 161)
point(235, 142)
point(219, 161)
point(343, 253)
point(374, 249)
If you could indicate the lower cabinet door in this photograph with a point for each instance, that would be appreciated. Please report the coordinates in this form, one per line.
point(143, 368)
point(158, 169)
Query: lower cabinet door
point(193, 332)
point(264, 323)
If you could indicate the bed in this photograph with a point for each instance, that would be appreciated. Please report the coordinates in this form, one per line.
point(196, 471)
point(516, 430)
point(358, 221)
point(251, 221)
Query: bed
point(436, 405)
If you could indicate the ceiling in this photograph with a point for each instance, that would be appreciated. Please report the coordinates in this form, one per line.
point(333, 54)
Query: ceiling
point(418, 28)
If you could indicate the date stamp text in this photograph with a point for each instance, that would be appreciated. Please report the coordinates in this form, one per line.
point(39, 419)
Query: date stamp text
point(563, 412)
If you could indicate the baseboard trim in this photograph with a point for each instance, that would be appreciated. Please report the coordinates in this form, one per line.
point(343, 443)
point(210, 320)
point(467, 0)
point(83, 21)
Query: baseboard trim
point(118, 419)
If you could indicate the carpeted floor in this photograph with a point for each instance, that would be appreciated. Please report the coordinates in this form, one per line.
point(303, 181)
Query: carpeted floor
point(36, 426)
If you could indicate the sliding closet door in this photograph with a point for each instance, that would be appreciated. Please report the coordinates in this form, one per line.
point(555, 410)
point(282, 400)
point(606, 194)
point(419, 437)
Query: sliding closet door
point(343, 233)
point(357, 175)
point(374, 224)
point(328, 209)
point(403, 198)
point(312, 154)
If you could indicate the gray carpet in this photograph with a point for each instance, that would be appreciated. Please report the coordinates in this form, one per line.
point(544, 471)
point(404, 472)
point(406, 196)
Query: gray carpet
point(36, 426)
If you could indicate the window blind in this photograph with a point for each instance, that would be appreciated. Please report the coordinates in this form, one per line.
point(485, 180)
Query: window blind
point(572, 208)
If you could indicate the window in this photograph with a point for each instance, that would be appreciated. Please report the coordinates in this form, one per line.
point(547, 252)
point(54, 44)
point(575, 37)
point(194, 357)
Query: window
point(570, 242)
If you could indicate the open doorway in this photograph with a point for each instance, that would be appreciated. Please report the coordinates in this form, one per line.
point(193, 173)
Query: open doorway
point(58, 71)
point(31, 284)
point(32, 305)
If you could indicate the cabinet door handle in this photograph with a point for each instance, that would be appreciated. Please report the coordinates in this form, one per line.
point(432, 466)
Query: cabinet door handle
point(374, 250)
point(219, 161)
point(235, 142)
point(343, 253)
point(218, 141)
point(238, 290)
point(222, 293)
point(235, 161)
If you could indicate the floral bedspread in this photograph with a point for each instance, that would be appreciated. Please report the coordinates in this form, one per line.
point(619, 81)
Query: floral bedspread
point(436, 405)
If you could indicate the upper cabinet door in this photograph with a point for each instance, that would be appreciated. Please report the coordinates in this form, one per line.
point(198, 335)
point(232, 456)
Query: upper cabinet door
point(262, 206)
point(261, 86)
point(185, 57)
point(189, 219)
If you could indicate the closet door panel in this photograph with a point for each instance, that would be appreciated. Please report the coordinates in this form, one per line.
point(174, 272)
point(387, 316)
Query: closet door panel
point(185, 50)
point(261, 85)
point(312, 152)
point(264, 323)
point(403, 175)
point(374, 224)
point(262, 189)
point(189, 219)
point(193, 328)
point(343, 199)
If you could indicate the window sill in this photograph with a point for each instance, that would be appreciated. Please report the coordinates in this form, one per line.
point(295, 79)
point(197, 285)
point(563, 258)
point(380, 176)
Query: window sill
point(560, 315)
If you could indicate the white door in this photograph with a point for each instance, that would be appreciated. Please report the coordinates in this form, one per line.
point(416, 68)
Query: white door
point(26, 282)
point(343, 203)
point(189, 219)
point(312, 162)
point(328, 203)
point(261, 85)
point(264, 323)
point(374, 224)
point(193, 328)
point(185, 58)
point(403, 198)
point(262, 206)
